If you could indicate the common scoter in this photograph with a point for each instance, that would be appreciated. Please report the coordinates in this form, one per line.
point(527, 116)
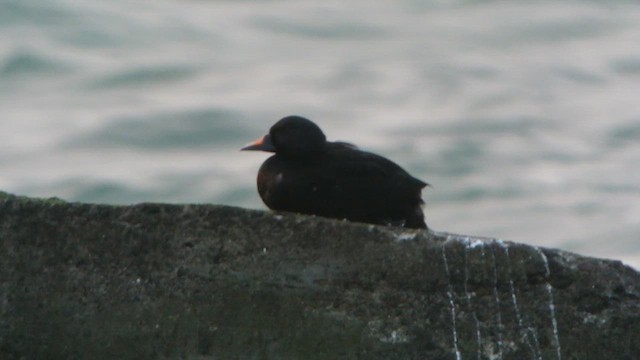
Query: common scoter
point(311, 175)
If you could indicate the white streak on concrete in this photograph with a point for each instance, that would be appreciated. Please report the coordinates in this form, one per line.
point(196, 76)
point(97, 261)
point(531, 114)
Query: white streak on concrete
point(498, 311)
point(406, 236)
point(552, 306)
point(468, 246)
point(451, 303)
point(525, 330)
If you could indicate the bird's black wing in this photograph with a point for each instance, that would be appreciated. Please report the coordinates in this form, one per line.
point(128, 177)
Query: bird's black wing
point(366, 187)
point(348, 161)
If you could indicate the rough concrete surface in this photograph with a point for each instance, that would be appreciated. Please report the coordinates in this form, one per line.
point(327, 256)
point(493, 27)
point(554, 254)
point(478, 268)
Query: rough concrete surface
point(158, 281)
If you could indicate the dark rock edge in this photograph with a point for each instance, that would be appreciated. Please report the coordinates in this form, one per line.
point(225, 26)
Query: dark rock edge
point(160, 281)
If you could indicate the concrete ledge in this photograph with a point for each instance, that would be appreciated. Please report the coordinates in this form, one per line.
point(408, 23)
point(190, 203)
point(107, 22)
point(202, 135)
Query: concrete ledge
point(150, 281)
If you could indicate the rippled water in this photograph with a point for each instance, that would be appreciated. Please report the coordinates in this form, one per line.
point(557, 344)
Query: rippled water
point(524, 116)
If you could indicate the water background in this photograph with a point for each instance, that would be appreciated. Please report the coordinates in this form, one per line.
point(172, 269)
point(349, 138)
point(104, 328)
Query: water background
point(524, 116)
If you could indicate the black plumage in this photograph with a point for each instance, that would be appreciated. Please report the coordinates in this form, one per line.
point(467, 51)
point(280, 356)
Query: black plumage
point(310, 175)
